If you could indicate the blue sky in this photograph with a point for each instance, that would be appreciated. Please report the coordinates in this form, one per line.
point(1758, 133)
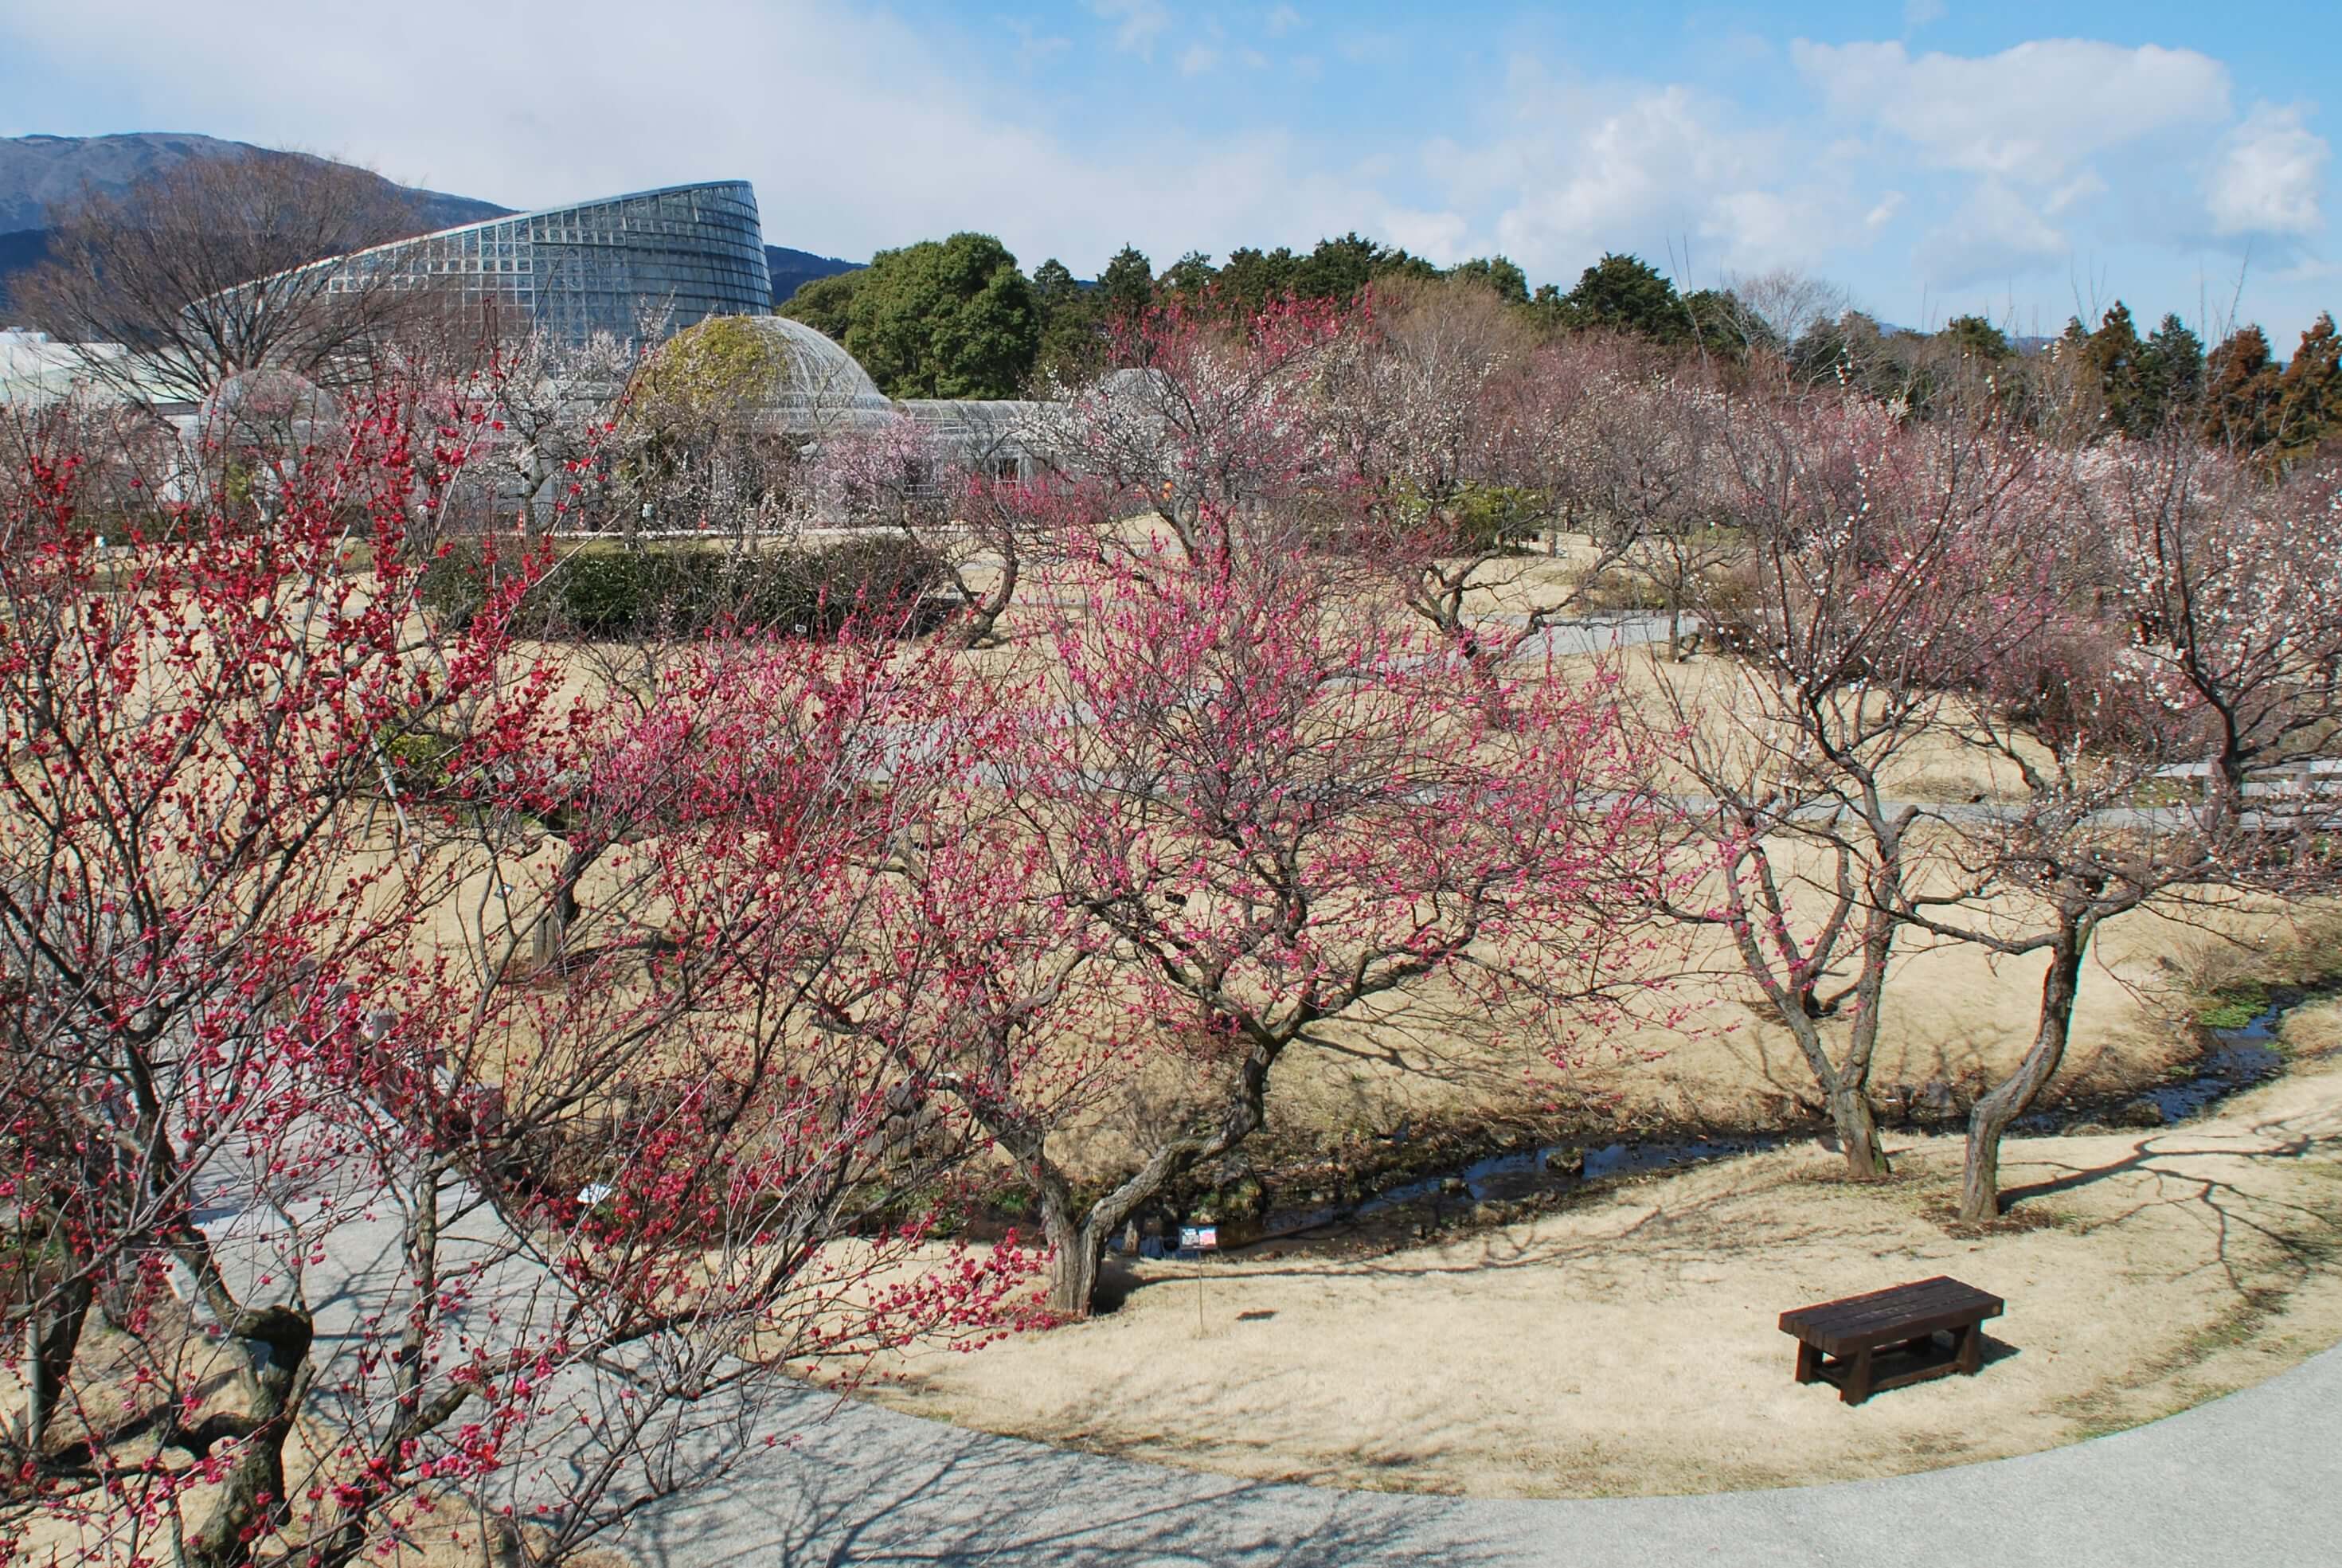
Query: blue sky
point(1935, 157)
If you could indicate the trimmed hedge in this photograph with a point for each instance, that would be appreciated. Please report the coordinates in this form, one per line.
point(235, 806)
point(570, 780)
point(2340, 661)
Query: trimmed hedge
point(688, 590)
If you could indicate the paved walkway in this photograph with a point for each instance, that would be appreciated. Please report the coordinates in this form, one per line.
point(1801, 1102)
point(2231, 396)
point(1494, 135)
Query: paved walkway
point(2252, 1479)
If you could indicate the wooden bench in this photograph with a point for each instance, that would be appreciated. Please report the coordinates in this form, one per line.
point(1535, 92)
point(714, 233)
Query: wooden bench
point(1898, 1327)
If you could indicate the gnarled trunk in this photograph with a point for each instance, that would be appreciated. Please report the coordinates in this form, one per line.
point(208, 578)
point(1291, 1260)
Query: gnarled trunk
point(1076, 1253)
point(54, 1338)
point(1858, 1131)
point(1078, 1242)
point(549, 941)
point(1994, 1114)
point(1079, 1239)
point(253, 1500)
point(980, 613)
point(1794, 989)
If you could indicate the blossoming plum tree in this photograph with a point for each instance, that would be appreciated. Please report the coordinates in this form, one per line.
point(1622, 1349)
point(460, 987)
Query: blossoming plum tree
point(2208, 651)
point(1887, 573)
point(336, 1222)
point(1245, 805)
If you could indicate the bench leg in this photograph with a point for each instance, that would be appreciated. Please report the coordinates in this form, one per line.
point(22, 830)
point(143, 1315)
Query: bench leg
point(1971, 1356)
point(1857, 1387)
point(1809, 1362)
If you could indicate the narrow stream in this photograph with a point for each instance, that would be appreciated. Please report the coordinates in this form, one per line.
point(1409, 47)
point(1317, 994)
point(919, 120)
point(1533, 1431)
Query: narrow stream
point(2234, 1060)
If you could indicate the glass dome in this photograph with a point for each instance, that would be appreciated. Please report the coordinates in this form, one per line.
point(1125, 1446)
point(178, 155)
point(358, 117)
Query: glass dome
point(823, 381)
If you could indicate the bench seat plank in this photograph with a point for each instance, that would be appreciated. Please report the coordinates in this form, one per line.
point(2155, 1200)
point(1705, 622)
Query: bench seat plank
point(1883, 1312)
point(1887, 1302)
point(1888, 1331)
point(1897, 1324)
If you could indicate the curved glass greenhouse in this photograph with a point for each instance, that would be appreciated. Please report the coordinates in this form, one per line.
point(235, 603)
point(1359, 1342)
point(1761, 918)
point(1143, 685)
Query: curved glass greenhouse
point(639, 266)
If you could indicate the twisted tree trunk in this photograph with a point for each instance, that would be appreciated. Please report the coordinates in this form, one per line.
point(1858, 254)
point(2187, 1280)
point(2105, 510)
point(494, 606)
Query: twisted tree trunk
point(1994, 1114)
point(1077, 1239)
point(252, 1502)
point(55, 1336)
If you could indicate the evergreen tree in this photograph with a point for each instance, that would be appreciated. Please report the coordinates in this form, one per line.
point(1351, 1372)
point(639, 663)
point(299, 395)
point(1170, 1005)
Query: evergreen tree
point(2309, 393)
point(1337, 269)
point(1053, 284)
point(1072, 336)
point(1190, 278)
point(1974, 337)
point(2113, 357)
point(1250, 278)
point(1126, 287)
point(1722, 324)
point(1509, 282)
point(2171, 373)
point(827, 303)
point(1625, 294)
point(945, 318)
point(2241, 388)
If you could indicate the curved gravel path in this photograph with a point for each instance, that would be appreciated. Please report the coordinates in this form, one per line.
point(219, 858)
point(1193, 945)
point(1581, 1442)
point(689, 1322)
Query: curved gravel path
point(2254, 1478)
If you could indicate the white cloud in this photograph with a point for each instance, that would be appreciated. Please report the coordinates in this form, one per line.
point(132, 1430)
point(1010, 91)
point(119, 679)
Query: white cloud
point(1280, 20)
point(2079, 189)
point(1197, 59)
point(1618, 166)
point(1138, 24)
point(1442, 238)
point(1581, 169)
point(859, 130)
point(2063, 145)
point(1917, 14)
point(2268, 178)
point(2035, 113)
point(1995, 235)
point(862, 130)
point(1034, 46)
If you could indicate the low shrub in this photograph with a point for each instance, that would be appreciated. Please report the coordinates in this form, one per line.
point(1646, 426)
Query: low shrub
point(418, 760)
point(689, 590)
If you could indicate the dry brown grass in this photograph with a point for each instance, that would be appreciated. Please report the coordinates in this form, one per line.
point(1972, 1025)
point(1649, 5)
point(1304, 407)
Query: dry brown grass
point(1627, 1346)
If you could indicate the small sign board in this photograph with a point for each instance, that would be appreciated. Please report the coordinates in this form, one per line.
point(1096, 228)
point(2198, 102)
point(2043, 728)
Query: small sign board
point(1198, 1238)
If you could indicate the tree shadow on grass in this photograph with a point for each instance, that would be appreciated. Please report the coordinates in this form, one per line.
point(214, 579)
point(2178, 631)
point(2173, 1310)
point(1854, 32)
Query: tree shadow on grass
point(2302, 1237)
point(869, 1487)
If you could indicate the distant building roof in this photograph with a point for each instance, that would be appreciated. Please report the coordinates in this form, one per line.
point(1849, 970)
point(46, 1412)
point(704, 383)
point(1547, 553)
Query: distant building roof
point(36, 370)
point(674, 256)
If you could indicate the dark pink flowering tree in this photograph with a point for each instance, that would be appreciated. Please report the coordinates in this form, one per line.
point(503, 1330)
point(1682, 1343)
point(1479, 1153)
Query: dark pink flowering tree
point(1247, 804)
point(339, 1221)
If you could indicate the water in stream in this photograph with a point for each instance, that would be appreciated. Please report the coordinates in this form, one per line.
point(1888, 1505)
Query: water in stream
point(2235, 1059)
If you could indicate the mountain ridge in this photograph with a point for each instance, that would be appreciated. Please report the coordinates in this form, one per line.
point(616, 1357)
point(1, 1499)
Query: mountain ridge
point(41, 173)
